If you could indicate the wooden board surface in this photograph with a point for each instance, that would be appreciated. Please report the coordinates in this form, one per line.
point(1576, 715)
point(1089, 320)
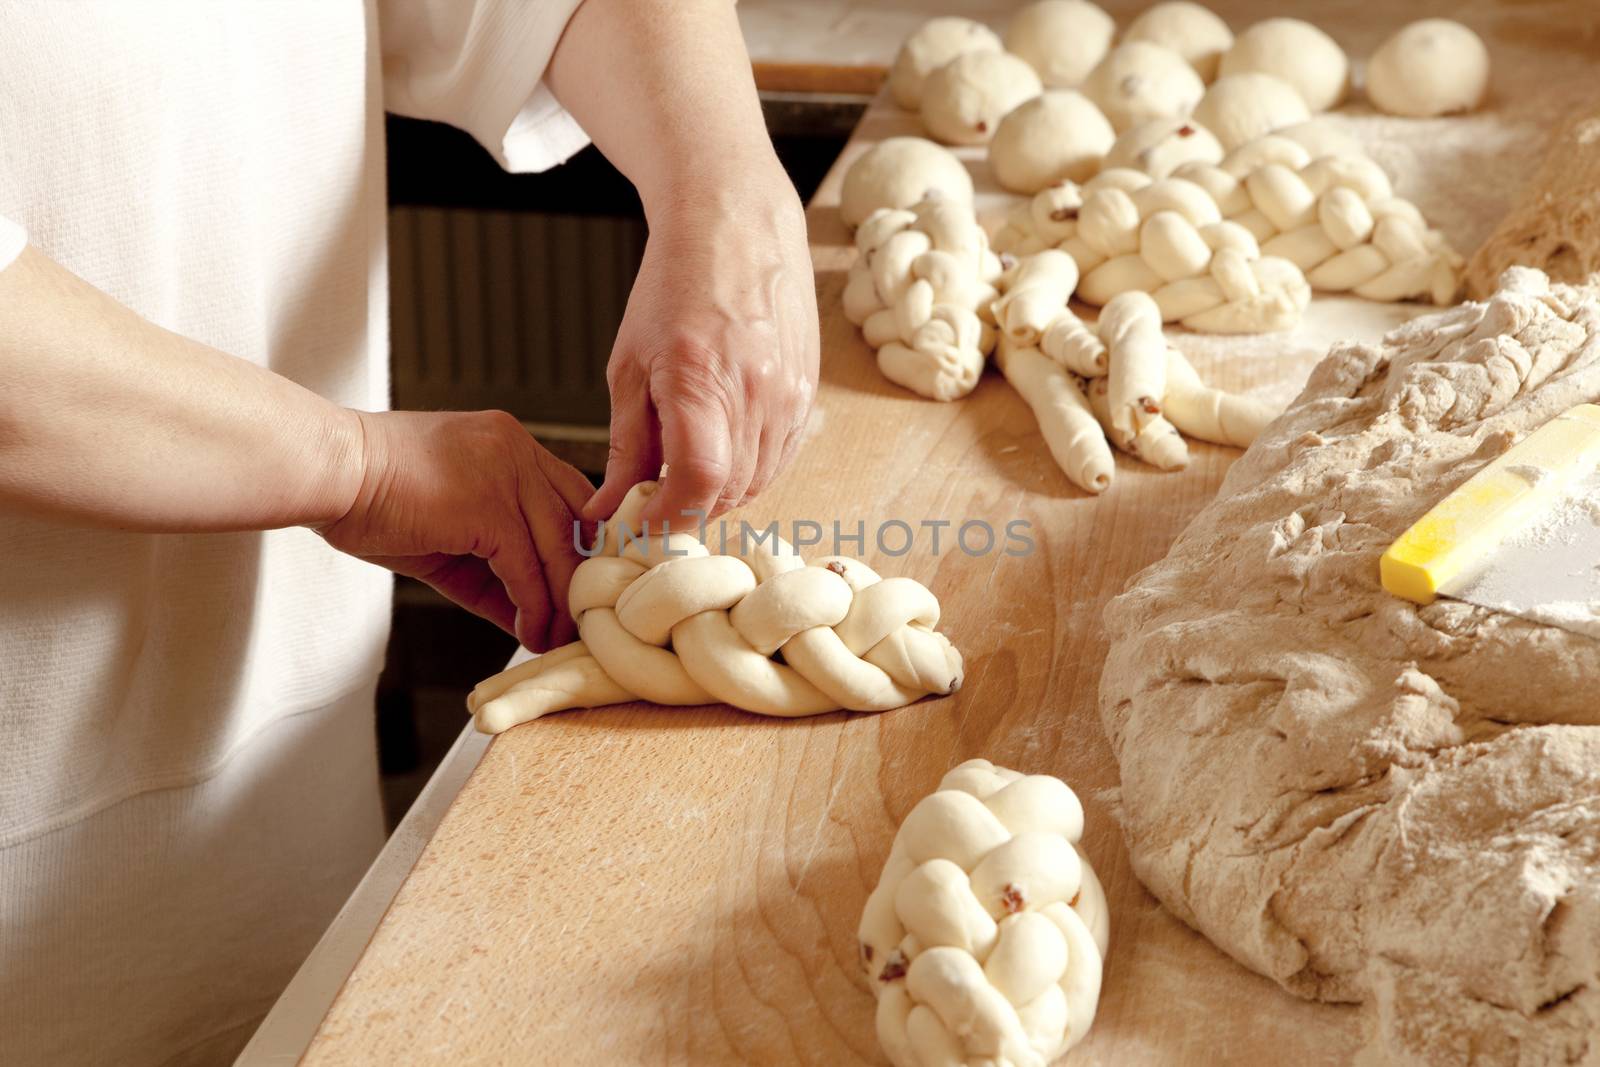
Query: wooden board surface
point(647, 885)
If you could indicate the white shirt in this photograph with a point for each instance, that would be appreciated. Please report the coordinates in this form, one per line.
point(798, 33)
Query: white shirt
point(187, 774)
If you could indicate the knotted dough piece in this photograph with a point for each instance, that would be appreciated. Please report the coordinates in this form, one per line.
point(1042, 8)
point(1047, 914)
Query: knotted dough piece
point(921, 289)
point(985, 936)
point(1335, 217)
point(662, 619)
point(1168, 238)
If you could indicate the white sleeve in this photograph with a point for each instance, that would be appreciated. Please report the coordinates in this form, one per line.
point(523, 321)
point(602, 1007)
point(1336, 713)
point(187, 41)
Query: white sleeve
point(479, 65)
point(13, 239)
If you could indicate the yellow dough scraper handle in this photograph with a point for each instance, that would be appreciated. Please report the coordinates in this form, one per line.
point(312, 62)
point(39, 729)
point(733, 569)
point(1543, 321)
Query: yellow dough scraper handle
point(1466, 526)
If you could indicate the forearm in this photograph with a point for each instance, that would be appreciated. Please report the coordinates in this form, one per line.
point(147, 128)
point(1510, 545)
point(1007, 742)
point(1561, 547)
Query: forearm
point(666, 90)
point(109, 420)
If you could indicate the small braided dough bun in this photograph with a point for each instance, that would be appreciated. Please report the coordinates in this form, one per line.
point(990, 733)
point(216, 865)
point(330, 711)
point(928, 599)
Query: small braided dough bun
point(1238, 108)
point(964, 100)
point(662, 619)
point(1057, 135)
point(985, 936)
point(932, 45)
point(1431, 67)
point(1211, 414)
point(1295, 52)
point(1067, 423)
point(1160, 146)
point(921, 290)
point(1060, 39)
point(1194, 32)
point(1140, 81)
point(1335, 218)
point(899, 172)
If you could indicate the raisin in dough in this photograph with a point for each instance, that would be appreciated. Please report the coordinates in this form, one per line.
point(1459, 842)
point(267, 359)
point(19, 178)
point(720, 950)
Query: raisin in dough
point(1295, 52)
point(1058, 135)
point(964, 100)
point(1194, 32)
point(1140, 81)
point(1061, 39)
point(898, 173)
point(1431, 67)
point(933, 44)
point(1363, 799)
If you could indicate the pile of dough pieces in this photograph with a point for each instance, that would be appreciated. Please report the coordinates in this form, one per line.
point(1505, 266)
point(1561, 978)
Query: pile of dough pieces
point(661, 618)
point(934, 300)
point(984, 938)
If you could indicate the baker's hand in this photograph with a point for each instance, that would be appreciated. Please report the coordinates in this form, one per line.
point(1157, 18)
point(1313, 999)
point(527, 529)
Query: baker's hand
point(715, 365)
point(469, 503)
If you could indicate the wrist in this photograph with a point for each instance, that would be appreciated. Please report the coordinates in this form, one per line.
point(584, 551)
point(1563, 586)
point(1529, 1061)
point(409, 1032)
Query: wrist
point(739, 184)
point(345, 455)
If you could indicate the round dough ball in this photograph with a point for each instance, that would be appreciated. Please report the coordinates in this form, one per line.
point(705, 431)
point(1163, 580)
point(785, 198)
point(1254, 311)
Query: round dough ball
point(964, 100)
point(1241, 107)
point(1194, 32)
point(1161, 146)
point(1295, 52)
point(1061, 39)
point(897, 173)
point(933, 44)
point(1140, 81)
point(1429, 68)
point(1057, 135)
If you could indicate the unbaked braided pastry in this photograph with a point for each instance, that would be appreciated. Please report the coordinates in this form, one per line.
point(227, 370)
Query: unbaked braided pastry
point(984, 938)
point(920, 290)
point(1127, 231)
point(662, 619)
point(1335, 217)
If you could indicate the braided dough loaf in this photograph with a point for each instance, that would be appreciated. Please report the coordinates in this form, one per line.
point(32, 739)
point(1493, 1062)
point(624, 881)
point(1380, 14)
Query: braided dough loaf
point(932, 45)
point(985, 936)
point(921, 289)
point(1363, 799)
point(662, 619)
point(1128, 232)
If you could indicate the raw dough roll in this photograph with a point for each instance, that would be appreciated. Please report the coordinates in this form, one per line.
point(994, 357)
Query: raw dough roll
point(1071, 432)
point(1431, 67)
point(1239, 108)
point(1295, 52)
point(898, 173)
point(1058, 135)
point(1140, 81)
point(964, 100)
point(932, 45)
point(662, 619)
point(1160, 146)
point(1192, 31)
point(984, 937)
point(1061, 39)
point(1036, 292)
point(1210, 414)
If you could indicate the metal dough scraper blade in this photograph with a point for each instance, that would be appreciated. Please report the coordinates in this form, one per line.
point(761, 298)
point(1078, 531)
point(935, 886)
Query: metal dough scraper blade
point(1521, 536)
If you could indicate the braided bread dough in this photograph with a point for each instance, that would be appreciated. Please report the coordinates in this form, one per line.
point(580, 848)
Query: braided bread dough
point(1431, 67)
point(1190, 30)
point(1296, 52)
point(921, 290)
point(1168, 238)
point(1060, 39)
point(1365, 800)
point(964, 100)
point(985, 936)
point(1238, 108)
point(896, 173)
point(932, 45)
point(1057, 135)
point(1140, 81)
point(1335, 218)
point(662, 619)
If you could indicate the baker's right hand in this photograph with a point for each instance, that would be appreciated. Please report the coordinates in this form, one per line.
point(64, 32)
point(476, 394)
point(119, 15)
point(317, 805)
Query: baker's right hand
point(472, 505)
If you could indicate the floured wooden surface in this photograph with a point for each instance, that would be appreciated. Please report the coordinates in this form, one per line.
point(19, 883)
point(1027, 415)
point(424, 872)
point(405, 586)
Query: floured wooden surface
point(645, 885)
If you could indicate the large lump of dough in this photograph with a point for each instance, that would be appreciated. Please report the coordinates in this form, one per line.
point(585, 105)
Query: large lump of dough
point(1365, 800)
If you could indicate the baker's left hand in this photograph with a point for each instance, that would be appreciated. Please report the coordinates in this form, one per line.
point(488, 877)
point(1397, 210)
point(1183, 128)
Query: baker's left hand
point(715, 365)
